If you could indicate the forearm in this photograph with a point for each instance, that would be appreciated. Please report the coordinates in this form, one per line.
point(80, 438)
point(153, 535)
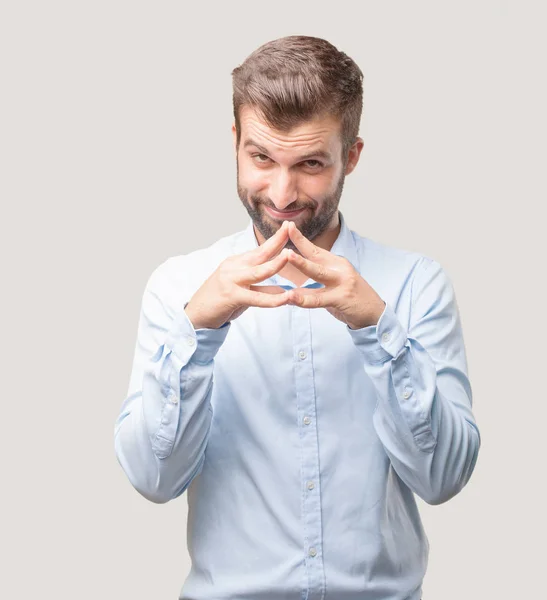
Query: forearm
point(429, 434)
point(160, 443)
point(162, 430)
point(423, 415)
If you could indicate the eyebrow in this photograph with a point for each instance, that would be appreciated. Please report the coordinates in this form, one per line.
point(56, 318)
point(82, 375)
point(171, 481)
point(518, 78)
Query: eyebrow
point(318, 153)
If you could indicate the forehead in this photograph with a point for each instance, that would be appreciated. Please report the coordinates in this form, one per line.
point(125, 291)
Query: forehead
point(319, 133)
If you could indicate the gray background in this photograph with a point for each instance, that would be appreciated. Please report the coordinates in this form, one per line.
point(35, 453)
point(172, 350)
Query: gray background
point(116, 153)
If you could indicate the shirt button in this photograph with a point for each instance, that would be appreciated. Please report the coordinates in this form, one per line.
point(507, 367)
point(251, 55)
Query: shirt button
point(406, 394)
point(311, 485)
point(307, 420)
point(386, 337)
point(190, 341)
point(173, 398)
point(312, 552)
point(302, 355)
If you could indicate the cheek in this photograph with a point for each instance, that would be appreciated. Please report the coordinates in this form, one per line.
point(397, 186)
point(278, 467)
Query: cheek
point(318, 187)
point(251, 178)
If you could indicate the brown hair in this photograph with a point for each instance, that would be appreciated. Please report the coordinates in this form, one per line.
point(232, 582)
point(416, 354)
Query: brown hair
point(295, 78)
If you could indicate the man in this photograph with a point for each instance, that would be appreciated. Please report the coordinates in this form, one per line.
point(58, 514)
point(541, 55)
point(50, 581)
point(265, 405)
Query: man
point(301, 381)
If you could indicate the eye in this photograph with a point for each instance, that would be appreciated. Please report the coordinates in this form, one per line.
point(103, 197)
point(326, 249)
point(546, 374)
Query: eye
point(317, 164)
point(261, 156)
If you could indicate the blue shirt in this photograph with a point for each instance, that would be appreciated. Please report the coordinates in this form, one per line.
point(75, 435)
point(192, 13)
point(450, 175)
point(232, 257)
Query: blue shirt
point(301, 442)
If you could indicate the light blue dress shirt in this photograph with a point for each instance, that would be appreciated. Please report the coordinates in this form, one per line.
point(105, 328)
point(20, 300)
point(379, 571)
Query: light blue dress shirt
point(300, 441)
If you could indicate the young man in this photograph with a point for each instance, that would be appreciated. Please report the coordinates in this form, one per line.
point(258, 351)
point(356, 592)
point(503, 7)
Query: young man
point(301, 381)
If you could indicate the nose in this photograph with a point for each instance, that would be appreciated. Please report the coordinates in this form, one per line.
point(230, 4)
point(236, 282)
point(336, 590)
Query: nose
point(283, 189)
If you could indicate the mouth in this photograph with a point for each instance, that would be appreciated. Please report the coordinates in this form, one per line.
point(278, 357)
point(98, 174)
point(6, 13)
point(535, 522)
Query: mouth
point(283, 215)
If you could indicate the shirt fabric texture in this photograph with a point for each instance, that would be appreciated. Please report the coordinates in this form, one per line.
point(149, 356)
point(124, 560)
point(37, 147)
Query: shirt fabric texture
point(300, 442)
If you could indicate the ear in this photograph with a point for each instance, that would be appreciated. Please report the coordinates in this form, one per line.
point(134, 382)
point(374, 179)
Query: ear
point(353, 155)
point(234, 133)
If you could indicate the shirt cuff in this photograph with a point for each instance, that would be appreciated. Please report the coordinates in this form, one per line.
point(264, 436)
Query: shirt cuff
point(383, 341)
point(200, 345)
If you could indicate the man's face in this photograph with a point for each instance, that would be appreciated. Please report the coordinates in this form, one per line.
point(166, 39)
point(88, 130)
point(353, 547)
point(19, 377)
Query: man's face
point(297, 171)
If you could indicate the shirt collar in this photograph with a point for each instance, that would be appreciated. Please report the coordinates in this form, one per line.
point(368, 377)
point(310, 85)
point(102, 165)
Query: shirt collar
point(344, 245)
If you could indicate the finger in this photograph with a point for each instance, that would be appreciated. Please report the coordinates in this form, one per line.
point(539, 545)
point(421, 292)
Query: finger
point(270, 247)
point(263, 300)
point(311, 298)
point(257, 273)
point(318, 272)
point(268, 289)
point(307, 248)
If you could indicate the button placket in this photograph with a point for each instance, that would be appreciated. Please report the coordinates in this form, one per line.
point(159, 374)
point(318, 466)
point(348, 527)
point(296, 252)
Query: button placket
point(312, 533)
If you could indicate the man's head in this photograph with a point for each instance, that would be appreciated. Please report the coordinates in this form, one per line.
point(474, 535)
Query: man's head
point(297, 108)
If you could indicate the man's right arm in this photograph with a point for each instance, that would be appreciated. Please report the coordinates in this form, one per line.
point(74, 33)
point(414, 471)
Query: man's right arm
point(161, 432)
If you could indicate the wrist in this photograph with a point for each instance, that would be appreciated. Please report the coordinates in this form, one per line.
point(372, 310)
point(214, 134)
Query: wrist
point(196, 322)
point(193, 319)
point(371, 319)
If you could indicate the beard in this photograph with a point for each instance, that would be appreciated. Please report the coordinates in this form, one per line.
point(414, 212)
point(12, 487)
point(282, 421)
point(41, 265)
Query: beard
point(313, 226)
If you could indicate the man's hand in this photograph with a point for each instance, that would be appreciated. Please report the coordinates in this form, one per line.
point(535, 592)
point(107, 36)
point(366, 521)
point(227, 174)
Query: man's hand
point(228, 292)
point(346, 295)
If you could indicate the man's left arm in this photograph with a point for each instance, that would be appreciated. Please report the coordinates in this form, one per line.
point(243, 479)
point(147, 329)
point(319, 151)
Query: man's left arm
point(423, 416)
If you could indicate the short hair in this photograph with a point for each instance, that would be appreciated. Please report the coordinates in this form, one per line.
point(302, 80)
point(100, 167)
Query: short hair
point(295, 78)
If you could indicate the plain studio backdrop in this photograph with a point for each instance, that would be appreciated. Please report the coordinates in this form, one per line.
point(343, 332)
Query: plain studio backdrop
point(116, 153)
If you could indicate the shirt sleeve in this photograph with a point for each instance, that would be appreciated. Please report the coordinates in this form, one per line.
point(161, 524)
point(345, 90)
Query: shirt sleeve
point(423, 415)
point(161, 432)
